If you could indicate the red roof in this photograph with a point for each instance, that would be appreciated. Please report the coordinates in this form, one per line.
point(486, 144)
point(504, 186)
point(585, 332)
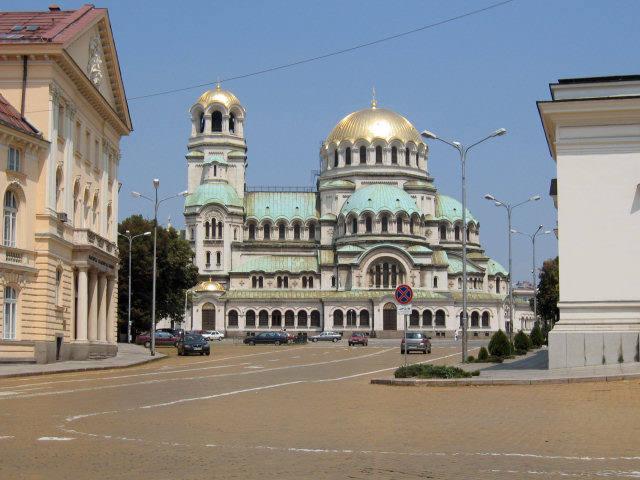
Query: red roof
point(10, 116)
point(53, 26)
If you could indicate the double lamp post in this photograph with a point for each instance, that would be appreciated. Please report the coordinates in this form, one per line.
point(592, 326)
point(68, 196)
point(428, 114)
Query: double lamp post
point(128, 236)
point(155, 202)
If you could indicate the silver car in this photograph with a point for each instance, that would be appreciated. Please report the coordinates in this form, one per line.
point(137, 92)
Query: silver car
point(417, 341)
point(327, 337)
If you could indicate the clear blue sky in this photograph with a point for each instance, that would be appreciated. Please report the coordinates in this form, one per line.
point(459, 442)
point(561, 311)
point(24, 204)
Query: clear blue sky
point(461, 80)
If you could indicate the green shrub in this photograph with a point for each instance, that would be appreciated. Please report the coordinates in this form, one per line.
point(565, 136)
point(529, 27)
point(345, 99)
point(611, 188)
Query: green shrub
point(499, 345)
point(431, 371)
point(521, 342)
point(537, 338)
point(483, 354)
point(471, 359)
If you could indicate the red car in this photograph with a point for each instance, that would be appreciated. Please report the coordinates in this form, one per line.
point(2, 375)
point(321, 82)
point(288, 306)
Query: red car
point(358, 338)
point(163, 339)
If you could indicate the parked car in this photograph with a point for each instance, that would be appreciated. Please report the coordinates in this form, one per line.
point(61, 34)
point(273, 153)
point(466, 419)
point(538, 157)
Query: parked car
point(210, 334)
point(358, 338)
point(326, 337)
point(163, 339)
point(267, 337)
point(173, 331)
point(416, 341)
point(193, 343)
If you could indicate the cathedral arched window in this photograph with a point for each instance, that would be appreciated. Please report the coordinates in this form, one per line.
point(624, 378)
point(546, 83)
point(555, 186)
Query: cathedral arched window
point(220, 229)
point(411, 225)
point(414, 319)
point(367, 224)
point(201, 123)
point(232, 123)
point(218, 258)
point(296, 231)
point(457, 233)
point(363, 155)
point(427, 318)
point(394, 155)
point(497, 285)
point(302, 318)
point(399, 225)
point(310, 282)
point(351, 318)
point(378, 155)
point(281, 231)
point(384, 224)
point(347, 156)
point(263, 318)
point(354, 225)
point(386, 274)
point(216, 121)
point(407, 156)
point(443, 232)
point(206, 229)
point(276, 318)
point(312, 232)
point(364, 318)
point(335, 158)
point(304, 282)
point(440, 318)
point(233, 318)
point(435, 282)
point(208, 261)
point(475, 319)
point(267, 231)
point(338, 318)
point(485, 319)
point(252, 232)
point(250, 318)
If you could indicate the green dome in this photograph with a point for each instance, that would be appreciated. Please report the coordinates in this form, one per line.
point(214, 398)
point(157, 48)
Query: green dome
point(450, 209)
point(213, 192)
point(376, 198)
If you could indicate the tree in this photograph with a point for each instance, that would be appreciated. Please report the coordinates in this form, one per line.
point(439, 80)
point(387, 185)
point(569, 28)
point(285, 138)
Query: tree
point(549, 291)
point(175, 273)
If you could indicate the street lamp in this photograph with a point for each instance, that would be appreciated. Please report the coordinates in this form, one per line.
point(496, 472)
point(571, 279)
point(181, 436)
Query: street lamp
point(509, 208)
point(128, 236)
point(155, 202)
point(463, 156)
point(535, 284)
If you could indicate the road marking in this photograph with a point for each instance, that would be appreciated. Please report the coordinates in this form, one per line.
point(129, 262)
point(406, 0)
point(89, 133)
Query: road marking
point(56, 439)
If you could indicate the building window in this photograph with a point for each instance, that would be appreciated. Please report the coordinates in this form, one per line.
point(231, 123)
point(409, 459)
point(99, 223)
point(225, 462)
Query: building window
point(220, 229)
point(233, 318)
point(386, 275)
point(338, 318)
point(363, 155)
point(232, 123)
point(315, 318)
point(208, 262)
point(378, 155)
point(384, 224)
point(14, 160)
point(347, 156)
point(276, 318)
point(289, 318)
point(310, 282)
point(475, 319)
point(497, 285)
point(333, 280)
point(364, 318)
point(206, 229)
point(312, 232)
point(443, 232)
point(351, 318)
point(435, 282)
point(10, 219)
point(202, 123)
point(216, 121)
point(427, 318)
point(218, 258)
point(485, 319)
point(252, 232)
point(296, 232)
point(267, 231)
point(368, 224)
point(440, 318)
point(414, 319)
point(459, 284)
point(302, 318)
point(407, 156)
point(250, 318)
point(457, 233)
point(354, 226)
point(263, 318)
point(10, 313)
point(335, 158)
point(281, 231)
point(58, 285)
point(394, 155)
point(304, 282)
point(399, 225)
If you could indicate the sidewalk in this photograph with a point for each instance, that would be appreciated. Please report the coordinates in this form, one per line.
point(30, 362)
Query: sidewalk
point(529, 370)
point(128, 354)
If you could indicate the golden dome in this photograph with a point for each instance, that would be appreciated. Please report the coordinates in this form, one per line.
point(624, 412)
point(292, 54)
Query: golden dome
point(209, 286)
point(372, 123)
point(218, 96)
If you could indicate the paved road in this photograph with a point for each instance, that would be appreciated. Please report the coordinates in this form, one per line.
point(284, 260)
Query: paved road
point(309, 411)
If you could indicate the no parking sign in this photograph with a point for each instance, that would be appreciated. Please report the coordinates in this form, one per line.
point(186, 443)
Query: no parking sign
point(404, 294)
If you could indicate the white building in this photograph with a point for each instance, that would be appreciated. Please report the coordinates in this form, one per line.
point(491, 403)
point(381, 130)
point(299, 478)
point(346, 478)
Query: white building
point(592, 126)
point(330, 258)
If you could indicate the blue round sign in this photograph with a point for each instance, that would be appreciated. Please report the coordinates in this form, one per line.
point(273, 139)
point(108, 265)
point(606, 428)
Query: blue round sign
point(404, 294)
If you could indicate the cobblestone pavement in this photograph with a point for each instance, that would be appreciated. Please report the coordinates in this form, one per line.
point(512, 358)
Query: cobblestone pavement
point(310, 411)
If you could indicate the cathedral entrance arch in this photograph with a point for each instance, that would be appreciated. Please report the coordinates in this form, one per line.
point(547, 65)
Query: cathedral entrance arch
point(389, 317)
point(208, 317)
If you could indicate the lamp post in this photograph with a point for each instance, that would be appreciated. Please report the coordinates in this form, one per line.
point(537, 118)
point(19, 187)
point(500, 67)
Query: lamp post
point(463, 156)
point(535, 282)
point(128, 236)
point(155, 202)
point(509, 208)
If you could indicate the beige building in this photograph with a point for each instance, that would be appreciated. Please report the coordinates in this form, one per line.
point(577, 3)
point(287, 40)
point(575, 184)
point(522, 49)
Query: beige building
point(592, 126)
point(59, 181)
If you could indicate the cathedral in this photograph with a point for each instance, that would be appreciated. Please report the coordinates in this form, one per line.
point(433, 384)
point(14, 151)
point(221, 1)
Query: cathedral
point(330, 257)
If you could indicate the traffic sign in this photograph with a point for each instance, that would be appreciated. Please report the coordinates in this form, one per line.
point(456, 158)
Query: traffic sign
point(404, 309)
point(404, 294)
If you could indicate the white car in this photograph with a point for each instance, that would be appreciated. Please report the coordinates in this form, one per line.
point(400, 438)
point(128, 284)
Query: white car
point(212, 335)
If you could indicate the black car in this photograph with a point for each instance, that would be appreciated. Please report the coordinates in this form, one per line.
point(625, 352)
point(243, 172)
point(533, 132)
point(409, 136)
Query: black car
point(267, 337)
point(193, 343)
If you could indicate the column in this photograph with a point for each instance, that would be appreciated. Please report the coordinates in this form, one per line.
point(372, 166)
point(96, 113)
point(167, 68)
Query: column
point(81, 314)
point(93, 307)
point(102, 308)
point(112, 305)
